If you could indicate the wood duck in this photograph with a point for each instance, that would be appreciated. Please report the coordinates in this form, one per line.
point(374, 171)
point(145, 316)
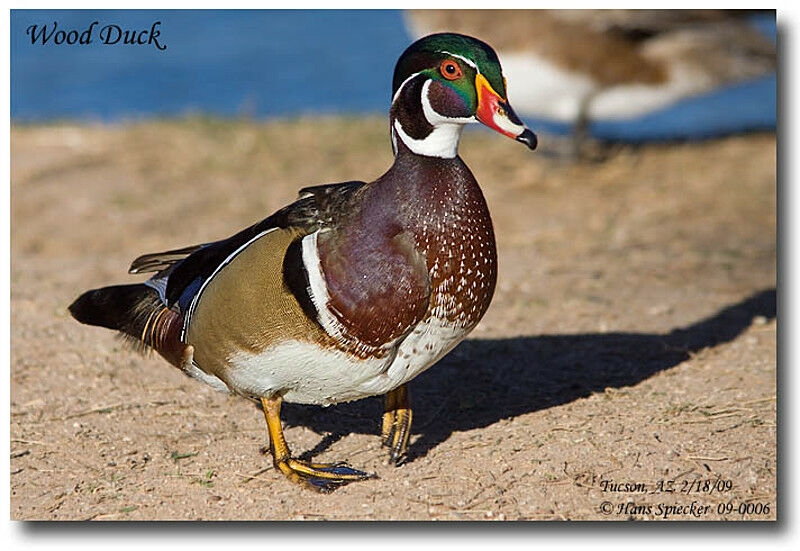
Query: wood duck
point(352, 290)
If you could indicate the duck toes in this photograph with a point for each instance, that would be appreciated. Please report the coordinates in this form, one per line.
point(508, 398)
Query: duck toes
point(352, 290)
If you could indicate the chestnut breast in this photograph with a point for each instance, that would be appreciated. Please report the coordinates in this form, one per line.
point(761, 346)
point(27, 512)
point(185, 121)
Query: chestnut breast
point(439, 202)
point(458, 241)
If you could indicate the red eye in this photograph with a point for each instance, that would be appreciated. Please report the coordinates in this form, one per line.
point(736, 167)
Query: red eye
point(450, 69)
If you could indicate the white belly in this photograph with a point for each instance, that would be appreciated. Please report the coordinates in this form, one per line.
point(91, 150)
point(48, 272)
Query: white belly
point(424, 346)
point(306, 374)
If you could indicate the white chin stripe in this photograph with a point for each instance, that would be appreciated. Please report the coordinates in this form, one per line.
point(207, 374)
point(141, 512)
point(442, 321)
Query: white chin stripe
point(443, 140)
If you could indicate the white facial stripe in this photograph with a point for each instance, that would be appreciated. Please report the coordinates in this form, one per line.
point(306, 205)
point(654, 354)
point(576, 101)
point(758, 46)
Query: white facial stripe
point(462, 58)
point(406, 81)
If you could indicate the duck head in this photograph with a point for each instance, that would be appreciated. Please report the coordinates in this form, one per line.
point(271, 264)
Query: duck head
point(442, 82)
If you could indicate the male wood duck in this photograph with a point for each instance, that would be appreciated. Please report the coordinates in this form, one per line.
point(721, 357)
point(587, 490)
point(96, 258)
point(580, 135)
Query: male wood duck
point(352, 290)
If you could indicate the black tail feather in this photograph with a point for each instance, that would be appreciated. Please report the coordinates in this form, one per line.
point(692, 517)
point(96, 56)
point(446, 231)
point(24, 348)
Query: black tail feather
point(138, 313)
point(124, 308)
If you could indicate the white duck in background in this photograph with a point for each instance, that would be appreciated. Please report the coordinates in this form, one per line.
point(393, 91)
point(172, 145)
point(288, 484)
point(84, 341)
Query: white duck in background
point(580, 66)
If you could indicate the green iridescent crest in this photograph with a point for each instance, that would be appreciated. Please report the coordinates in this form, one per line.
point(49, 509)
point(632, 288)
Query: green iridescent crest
point(425, 54)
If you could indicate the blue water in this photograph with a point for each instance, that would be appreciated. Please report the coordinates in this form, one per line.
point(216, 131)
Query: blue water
point(278, 63)
point(260, 63)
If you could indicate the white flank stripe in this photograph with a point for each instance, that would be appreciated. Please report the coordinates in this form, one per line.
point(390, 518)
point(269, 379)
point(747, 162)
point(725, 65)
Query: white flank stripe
point(224, 263)
point(318, 290)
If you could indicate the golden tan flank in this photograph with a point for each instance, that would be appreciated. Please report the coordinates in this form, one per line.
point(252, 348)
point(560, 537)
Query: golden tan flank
point(239, 299)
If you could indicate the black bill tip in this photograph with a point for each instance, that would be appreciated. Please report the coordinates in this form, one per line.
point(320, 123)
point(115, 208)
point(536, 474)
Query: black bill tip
point(528, 138)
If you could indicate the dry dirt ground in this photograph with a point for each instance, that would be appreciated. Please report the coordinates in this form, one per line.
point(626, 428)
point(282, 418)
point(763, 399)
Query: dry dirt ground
point(632, 337)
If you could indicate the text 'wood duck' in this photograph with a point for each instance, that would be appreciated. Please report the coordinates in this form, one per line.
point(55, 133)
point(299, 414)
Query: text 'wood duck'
point(352, 290)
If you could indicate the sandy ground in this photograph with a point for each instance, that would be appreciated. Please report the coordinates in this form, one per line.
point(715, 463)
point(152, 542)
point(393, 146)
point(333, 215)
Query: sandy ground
point(626, 365)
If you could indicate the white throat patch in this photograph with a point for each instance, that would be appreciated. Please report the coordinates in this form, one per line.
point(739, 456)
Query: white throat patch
point(443, 141)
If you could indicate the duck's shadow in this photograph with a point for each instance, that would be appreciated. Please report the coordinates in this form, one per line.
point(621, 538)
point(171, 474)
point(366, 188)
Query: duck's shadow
point(485, 380)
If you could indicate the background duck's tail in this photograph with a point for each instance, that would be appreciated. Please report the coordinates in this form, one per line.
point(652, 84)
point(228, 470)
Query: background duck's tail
point(137, 312)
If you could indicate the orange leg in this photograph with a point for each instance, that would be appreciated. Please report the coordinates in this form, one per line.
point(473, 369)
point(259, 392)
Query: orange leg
point(396, 426)
point(320, 477)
